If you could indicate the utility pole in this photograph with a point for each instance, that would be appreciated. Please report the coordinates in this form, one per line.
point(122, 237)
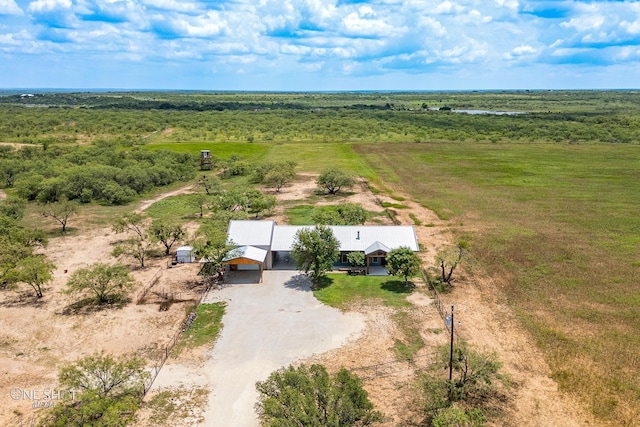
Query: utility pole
point(451, 349)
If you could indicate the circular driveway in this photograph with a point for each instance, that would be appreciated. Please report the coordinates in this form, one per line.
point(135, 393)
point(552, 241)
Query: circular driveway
point(267, 326)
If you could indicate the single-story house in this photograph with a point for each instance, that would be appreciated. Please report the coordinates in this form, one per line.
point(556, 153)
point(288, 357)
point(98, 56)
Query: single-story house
point(275, 242)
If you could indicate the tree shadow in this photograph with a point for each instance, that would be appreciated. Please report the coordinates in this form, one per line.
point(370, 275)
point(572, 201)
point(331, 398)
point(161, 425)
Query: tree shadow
point(398, 286)
point(299, 282)
point(23, 299)
point(90, 305)
point(324, 282)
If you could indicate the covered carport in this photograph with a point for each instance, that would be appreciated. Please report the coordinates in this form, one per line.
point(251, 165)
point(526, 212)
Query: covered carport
point(245, 258)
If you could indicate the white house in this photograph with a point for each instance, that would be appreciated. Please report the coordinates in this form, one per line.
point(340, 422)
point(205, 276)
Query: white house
point(375, 241)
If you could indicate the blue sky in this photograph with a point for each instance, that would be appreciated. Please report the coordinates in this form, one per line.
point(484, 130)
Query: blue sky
point(319, 44)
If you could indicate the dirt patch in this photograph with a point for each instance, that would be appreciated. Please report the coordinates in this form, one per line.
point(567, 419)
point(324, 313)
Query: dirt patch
point(40, 336)
point(3, 195)
point(145, 204)
point(17, 144)
point(168, 131)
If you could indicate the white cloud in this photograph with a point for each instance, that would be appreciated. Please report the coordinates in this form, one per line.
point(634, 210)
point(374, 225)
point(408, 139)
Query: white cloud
point(631, 27)
point(473, 17)
point(285, 36)
point(364, 24)
point(447, 7)
point(43, 6)
point(9, 7)
point(521, 51)
point(173, 5)
point(628, 53)
point(584, 23)
point(467, 52)
point(433, 25)
point(208, 25)
point(509, 4)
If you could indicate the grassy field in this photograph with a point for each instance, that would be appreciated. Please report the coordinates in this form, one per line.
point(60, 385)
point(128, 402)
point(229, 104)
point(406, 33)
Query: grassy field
point(176, 208)
point(559, 224)
point(251, 152)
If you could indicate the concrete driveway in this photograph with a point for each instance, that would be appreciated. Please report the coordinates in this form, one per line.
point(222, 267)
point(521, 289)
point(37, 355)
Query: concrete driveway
point(267, 326)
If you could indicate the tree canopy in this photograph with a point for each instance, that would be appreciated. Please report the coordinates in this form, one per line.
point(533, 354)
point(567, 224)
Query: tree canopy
point(106, 392)
point(60, 211)
point(166, 233)
point(315, 250)
point(107, 283)
point(403, 262)
point(333, 180)
point(308, 396)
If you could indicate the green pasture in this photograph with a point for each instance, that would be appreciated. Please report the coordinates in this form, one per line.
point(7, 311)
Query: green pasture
point(176, 208)
point(559, 226)
point(314, 157)
point(251, 152)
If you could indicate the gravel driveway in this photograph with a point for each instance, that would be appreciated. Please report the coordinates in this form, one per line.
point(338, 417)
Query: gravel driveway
point(267, 326)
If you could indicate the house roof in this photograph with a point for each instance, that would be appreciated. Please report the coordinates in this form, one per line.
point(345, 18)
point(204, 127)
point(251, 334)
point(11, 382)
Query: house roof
point(249, 252)
point(251, 233)
point(376, 246)
point(353, 237)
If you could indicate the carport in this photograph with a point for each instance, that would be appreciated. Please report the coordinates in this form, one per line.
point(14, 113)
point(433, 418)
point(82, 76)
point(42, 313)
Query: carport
point(246, 258)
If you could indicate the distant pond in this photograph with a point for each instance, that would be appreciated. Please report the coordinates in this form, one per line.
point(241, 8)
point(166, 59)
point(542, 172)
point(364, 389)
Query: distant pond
point(493, 112)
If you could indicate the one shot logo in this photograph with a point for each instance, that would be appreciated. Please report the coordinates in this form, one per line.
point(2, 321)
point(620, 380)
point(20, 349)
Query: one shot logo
point(42, 398)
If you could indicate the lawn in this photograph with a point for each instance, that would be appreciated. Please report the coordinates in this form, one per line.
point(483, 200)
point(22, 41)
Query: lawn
point(340, 290)
point(558, 226)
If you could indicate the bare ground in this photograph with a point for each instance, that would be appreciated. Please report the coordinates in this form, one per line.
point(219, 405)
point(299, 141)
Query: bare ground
point(41, 335)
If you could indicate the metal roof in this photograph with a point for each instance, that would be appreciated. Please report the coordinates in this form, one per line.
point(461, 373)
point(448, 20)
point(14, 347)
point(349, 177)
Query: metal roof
point(251, 233)
point(377, 246)
point(353, 237)
point(249, 252)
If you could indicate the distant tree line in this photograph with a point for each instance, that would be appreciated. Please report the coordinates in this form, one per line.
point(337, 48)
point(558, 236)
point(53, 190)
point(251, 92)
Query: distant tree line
point(133, 118)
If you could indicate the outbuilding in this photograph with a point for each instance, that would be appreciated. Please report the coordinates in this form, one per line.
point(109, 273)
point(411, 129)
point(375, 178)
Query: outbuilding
point(185, 254)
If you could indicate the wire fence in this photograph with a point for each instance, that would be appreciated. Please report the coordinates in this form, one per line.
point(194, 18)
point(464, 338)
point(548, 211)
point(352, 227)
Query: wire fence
point(394, 367)
point(443, 309)
point(155, 370)
point(399, 366)
point(143, 293)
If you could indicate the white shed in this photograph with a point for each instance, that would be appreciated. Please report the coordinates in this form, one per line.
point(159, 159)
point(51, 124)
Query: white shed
point(185, 254)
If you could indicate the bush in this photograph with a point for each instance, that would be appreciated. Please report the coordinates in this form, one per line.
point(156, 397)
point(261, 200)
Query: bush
point(309, 396)
point(116, 194)
point(107, 393)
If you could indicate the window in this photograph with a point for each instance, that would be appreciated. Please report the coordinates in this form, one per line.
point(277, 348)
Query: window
point(343, 258)
point(374, 260)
